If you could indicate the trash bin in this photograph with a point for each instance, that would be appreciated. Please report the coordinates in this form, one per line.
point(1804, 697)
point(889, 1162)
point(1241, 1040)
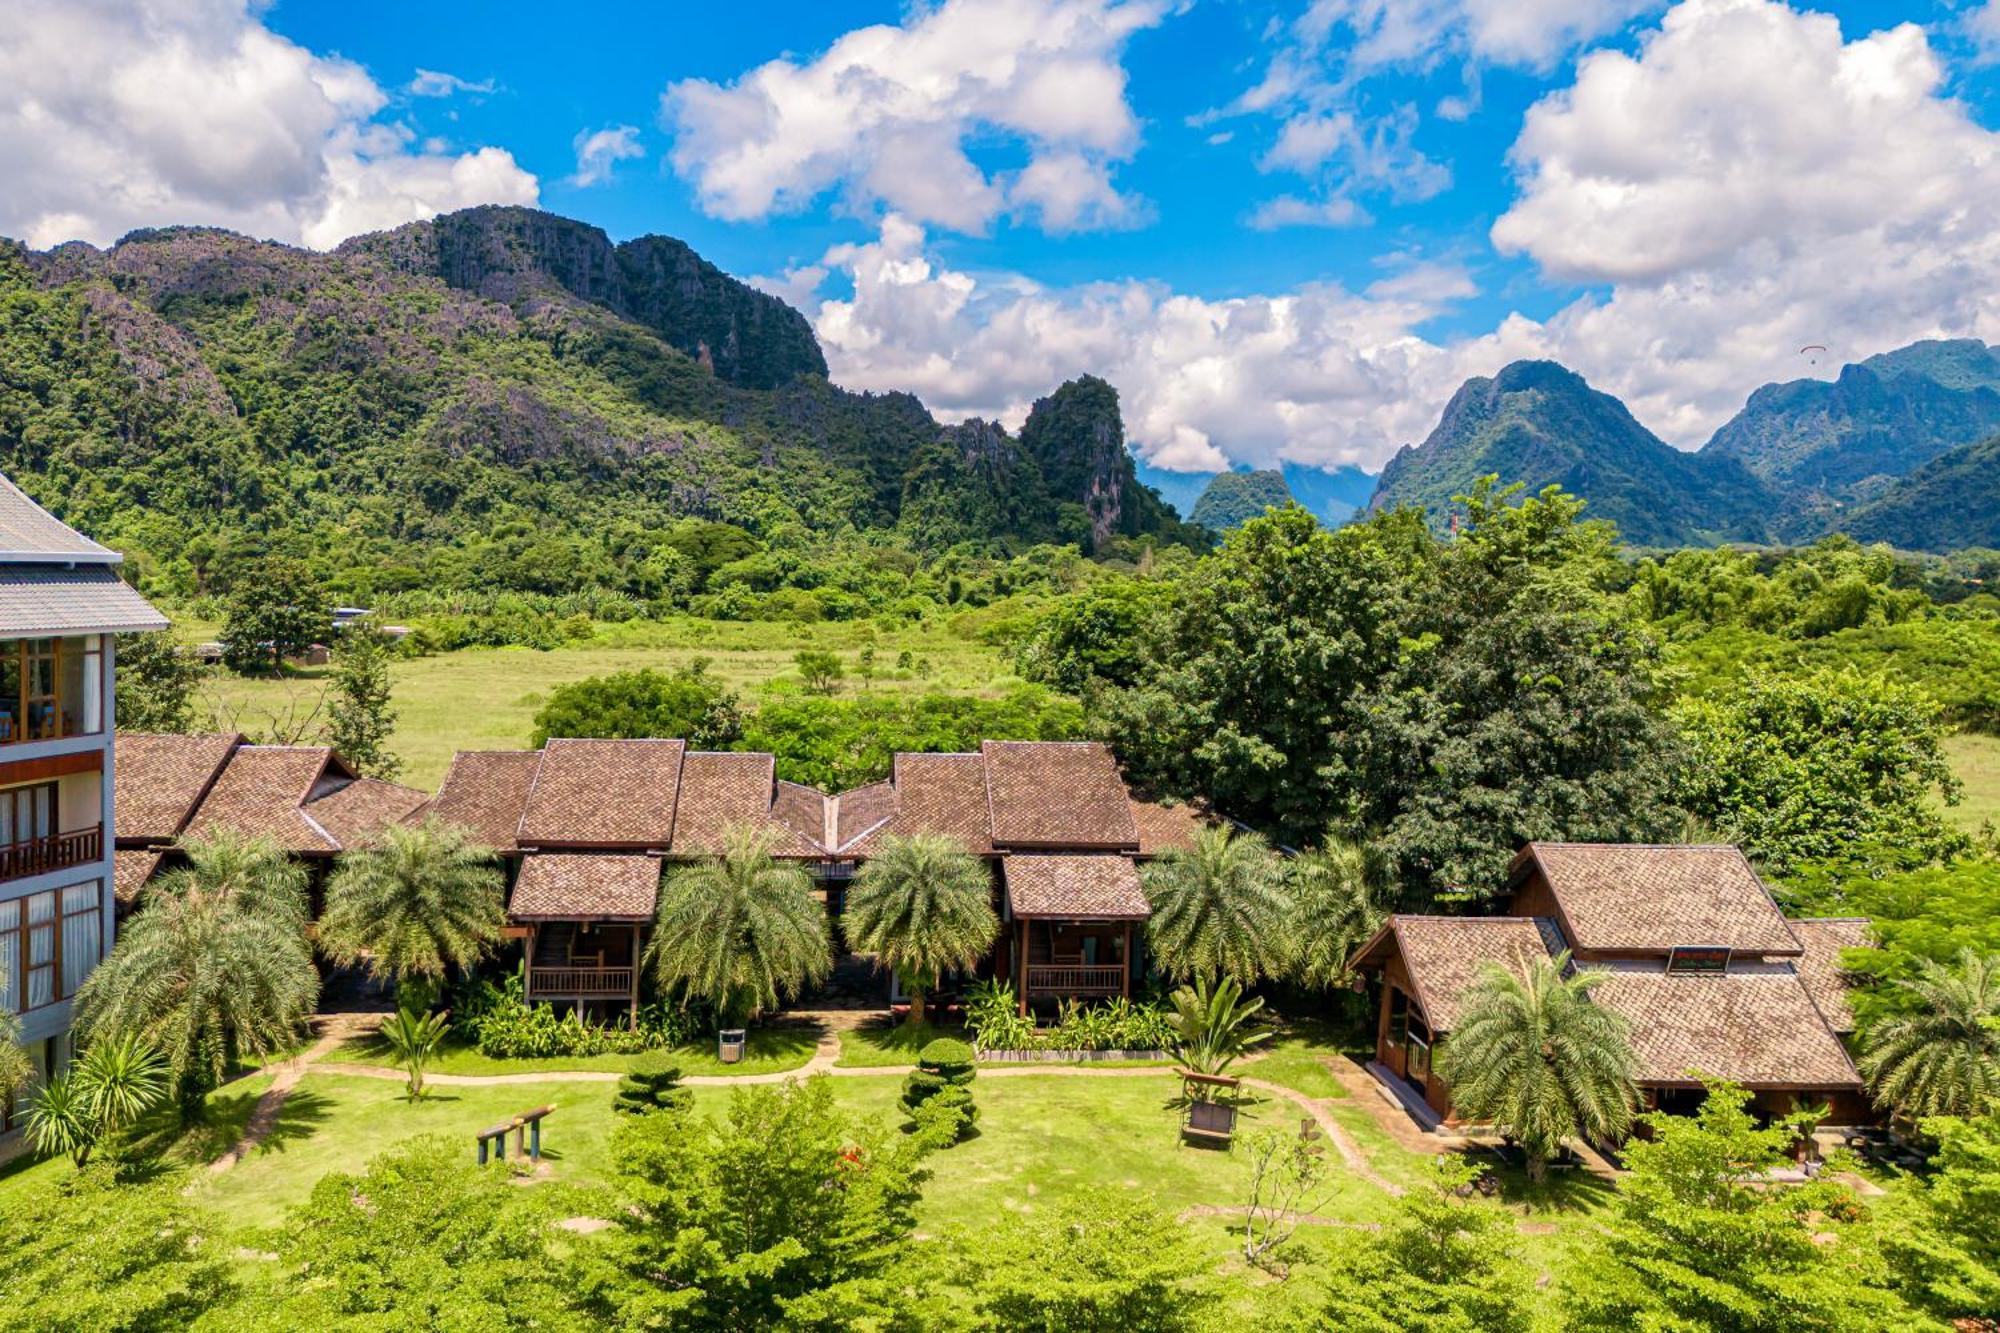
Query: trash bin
point(729, 1045)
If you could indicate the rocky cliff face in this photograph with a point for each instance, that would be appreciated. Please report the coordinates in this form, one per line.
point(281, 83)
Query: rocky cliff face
point(514, 255)
point(1077, 440)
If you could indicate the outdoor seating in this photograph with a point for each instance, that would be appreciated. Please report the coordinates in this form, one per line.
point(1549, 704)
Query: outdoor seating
point(527, 1131)
point(1205, 1118)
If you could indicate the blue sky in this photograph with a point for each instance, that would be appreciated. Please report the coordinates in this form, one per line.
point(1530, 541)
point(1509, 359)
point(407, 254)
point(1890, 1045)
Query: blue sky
point(1284, 230)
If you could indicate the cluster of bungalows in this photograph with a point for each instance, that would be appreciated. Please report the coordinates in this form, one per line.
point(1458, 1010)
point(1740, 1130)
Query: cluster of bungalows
point(1715, 981)
point(587, 828)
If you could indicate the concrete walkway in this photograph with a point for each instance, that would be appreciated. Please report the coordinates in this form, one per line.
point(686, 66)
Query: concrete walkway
point(334, 1029)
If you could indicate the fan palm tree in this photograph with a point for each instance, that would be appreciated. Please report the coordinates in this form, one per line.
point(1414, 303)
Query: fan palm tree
point(739, 930)
point(924, 905)
point(1536, 1059)
point(1340, 895)
point(1218, 909)
point(214, 965)
point(1944, 1058)
point(423, 901)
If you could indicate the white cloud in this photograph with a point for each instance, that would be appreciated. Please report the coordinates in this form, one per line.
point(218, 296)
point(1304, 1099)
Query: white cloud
point(883, 116)
point(598, 151)
point(436, 83)
point(114, 116)
point(1290, 211)
point(1982, 25)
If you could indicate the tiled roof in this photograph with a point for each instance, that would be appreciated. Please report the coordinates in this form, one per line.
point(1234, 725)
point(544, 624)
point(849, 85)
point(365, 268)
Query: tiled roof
point(576, 886)
point(1096, 887)
point(856, 812)
point(262, 792)
point(158, 780)
point(50, 599)
point(604, 793)
point(935, 793)
point(129, 872)
point(30, 532)
point(485, 791)
point(1445, 955)
point(1757, 1029)
point(1057, 794)
point(1167, 827)
point(806, 811)
point(1819, 969)
point(1626, 897)
point(719, 790)
point(356, 814)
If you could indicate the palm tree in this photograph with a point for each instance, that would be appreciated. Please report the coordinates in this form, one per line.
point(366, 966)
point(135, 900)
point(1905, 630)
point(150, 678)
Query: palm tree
point(423, 901)
point(1218, 909)
point(122, 1078)
point(1213, 1025)
point(739, 930)
point(413, 1038)
point(16, 1069)
point(1536, 1059)
point(1340, 895)
point(215, 965)
point(1944, 1058)
point(60, 1120)
point(924, 904)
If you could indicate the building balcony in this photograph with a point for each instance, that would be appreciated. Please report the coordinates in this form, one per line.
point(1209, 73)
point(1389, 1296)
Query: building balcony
point(579, 983)
point(57, 851)
point(1070, 979)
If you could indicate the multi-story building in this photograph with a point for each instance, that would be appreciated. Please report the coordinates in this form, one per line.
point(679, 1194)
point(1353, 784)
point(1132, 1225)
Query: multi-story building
point(61, 603)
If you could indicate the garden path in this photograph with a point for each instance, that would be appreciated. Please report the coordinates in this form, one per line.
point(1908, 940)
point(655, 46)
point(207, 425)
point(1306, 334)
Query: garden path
point(333, 1030)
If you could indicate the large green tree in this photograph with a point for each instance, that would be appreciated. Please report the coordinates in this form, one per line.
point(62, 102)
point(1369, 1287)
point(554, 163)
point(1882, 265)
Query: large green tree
point(422, 901)
point(923, 905)
point(1533, 1057)
point(739, 930)
point(1219, 909)
point(157, 680)
point(1941, 1231)
point(360, 714)
point(1943, 1056)
point(838, 743)
point(275, 610)
point(686, 702)
point(213, 966)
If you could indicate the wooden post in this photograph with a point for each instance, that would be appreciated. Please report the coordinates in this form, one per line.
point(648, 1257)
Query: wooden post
point(1126, 990)
point(528, 962)
point(1024, 967)
point(635, 984)
point(521, 1137)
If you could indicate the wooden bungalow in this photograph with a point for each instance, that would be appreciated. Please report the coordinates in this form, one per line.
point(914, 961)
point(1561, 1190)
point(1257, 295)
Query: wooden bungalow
point(1714, 980)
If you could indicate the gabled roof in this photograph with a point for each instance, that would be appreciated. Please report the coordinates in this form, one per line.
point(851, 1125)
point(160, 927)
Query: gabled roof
point(585, 886)
point(719, 790)
point(1096, 887)
point(807, 812)
point(31, 534)
point(54, 599)
point(1759, 1029)
point(935, 793)
point(262, 794)
point(1165, 827)
point(357, 813)
point(130, 871)
point(1627, 897)
point(1444, 956)
point(858, 812)
point(485, 791)
point(1819, 969)
point(603, 793)
point(157, 781)
point(1057, 794)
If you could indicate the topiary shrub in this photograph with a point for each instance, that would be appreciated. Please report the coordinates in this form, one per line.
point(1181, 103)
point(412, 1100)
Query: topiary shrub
point(653, 1084)
point(938, 1092)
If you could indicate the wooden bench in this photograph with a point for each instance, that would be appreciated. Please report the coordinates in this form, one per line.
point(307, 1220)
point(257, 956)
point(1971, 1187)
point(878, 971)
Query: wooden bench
point(527, 1130)
point(1206, 1118)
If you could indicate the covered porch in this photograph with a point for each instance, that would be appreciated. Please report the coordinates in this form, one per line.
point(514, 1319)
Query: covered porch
point(1072, 924)
point(582, 918)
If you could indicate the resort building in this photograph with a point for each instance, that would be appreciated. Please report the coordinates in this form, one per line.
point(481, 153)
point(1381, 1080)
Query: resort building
point(1713, 978)
point(61, 601)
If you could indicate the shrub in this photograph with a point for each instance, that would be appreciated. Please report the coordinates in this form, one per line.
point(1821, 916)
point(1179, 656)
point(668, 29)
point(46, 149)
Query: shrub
point(505, 1027)
point(652, 1084)
point(1116, 1025)
point(938, 1092)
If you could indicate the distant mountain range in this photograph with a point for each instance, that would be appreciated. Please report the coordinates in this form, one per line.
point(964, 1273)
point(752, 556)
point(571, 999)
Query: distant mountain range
point(1898, 448)
point(1333, 496)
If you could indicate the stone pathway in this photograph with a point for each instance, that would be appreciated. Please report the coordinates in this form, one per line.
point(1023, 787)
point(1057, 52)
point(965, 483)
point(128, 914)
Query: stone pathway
point(334, 1029)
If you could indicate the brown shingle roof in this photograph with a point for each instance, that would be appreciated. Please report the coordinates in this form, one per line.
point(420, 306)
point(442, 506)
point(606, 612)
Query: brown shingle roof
point(1445, 954)
point(935, 793)
point(130, 870)
point(856, 812)
point(604, 793)
point(1057, 794)
point(1628, 897)
point(1167, 827)
point(485, 791)
point(357, 813)
point(262, 792)
point(719, 790)
point(157, 781)
point(577, 886)
point(806, 811)
point(1098, 887)
point(1757, 1029)
point(1819, 968)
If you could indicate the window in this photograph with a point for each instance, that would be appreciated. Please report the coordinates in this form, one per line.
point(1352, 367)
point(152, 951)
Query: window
point(1399, 1016)
point(41, 701)
point(51, 688)
point(49, 943)
point(41, 951)
point(82, 934)
point(10, 956)
point(27, 813)
point(1698, 958)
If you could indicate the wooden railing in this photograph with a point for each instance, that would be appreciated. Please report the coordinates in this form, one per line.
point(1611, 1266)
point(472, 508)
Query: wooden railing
point(1069, 979)
point(55, 852)
point(580, 982)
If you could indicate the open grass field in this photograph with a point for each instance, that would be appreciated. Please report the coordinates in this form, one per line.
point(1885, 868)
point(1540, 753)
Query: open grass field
point(1976, 760)
point(485, 698)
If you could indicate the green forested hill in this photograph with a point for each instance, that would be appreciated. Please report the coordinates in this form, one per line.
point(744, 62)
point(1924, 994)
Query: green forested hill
point(1234, 498)
point(1948, 504)
point(495, 398)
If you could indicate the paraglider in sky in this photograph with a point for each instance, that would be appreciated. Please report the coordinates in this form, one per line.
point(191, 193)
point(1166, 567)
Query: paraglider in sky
point(1812, 352)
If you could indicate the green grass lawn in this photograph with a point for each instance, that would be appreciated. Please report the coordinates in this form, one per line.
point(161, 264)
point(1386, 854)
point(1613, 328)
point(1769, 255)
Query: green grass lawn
point(771, 1050)
point(1976, 760)
point(485, 698)
point(1295, 1059)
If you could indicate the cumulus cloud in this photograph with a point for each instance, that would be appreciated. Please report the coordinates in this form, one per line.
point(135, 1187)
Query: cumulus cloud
point(883, 116)
point(598, 151)
point(114, 116)
point(436, 83)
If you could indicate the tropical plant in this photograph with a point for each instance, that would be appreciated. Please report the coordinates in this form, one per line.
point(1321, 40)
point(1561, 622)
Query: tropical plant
point(1212, 1025)
point(424, 900)
point(923, 904)
point(122, 1078)
point(1218, 909)
point(1534, 1058)
point(60, 1119)
point(1943, 1058)
point(739, 930)
point(16, 1069)
point(1340, 895)
point(212, 967)
point(1289, 1180)
point(994, 1018)
point(1100, 1263)
point(413, 1039)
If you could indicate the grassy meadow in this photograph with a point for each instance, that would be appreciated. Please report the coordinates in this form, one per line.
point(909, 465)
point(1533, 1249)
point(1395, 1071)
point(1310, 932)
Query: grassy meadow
point(1976, 760)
